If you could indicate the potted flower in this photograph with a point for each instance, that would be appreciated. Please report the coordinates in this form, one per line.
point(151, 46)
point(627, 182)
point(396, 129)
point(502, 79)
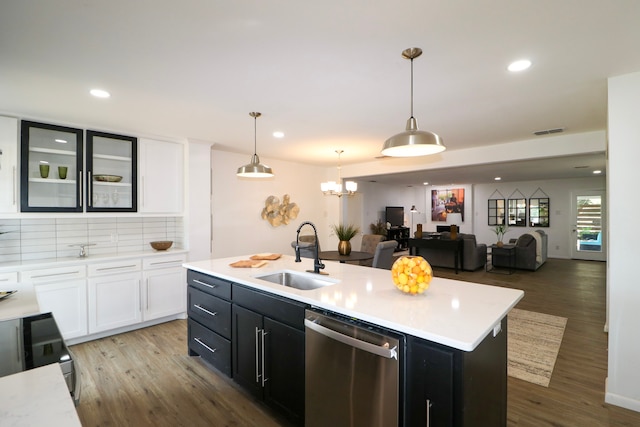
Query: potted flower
point(344, 234)
point(500, 231)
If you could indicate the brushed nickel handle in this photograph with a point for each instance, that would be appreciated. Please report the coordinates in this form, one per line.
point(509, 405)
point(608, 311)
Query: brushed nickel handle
point(199, 341)
point(205, 284)
point(257, 366)
point(211, 313)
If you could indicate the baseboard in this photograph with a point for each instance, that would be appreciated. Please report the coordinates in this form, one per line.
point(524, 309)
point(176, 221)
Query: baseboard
point(622, 401)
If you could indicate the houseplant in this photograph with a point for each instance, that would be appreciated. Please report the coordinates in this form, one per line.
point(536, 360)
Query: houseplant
point(500, 231)
point(344, 234)
point(379, 227)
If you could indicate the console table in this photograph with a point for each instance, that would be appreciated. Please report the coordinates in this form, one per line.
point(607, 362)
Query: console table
point(454, 246)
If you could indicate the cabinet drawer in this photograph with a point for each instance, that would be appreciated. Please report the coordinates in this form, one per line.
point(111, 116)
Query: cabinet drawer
point(165, 261)
point(210, 346)
point(209, 284)
point(9, 277)
point(213, 312)
point(55, 274)
point(123, 266)
point(284, 310)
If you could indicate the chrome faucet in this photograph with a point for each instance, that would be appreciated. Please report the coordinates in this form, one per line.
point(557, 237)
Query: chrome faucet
point(317, 264)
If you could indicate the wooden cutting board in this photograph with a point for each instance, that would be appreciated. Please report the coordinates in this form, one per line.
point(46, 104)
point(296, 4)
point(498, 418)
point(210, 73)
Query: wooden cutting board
point(270, 257)
point(248, 263)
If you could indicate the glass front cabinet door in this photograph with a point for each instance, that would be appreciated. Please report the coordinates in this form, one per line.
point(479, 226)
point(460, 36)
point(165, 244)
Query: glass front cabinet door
point(59, 175)
point(51, 168)
point(111, 172)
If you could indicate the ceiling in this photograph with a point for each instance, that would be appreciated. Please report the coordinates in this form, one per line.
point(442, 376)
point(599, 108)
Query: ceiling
point(328, 74)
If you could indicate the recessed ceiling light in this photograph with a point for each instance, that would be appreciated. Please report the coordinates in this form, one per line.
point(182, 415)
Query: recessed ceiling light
point(497, 178)
point(597, 172)
point(61, 141)
point(99, 93)
point(519, 65)
point(425, 183)
point(278, 134)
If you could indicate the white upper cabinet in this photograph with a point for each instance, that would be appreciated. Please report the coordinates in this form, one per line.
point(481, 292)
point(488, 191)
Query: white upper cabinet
point(161, 176)
point(8, 165)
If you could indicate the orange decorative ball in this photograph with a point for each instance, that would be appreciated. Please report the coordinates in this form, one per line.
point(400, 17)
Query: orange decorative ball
point(411, 274)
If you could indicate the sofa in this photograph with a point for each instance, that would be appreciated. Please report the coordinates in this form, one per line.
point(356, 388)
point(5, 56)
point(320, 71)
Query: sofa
point(474, 255)
point(531, 251)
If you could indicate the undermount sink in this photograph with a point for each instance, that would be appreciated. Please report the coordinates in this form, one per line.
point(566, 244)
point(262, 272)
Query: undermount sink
point(298, 280)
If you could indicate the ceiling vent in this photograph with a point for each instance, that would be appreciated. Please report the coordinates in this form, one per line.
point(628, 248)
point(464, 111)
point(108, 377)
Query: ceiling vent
point(548, 131)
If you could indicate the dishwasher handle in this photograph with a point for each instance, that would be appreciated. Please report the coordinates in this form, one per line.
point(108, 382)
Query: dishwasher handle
point(389, 353)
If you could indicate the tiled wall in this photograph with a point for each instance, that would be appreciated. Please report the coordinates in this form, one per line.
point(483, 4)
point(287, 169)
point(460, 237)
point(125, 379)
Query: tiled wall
point(35, 239)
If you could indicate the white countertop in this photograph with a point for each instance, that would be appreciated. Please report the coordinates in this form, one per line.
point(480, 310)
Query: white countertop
point(62, 262)
point(37, 397)
point(22, 303)
point(451, 312)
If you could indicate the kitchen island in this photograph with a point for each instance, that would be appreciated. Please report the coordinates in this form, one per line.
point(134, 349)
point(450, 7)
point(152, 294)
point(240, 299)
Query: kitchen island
point(463, 324)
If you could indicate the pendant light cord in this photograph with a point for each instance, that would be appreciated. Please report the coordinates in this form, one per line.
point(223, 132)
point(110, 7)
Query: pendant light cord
point(411, 87)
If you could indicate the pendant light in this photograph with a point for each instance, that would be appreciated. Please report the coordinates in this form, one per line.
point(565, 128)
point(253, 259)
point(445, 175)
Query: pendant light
point(255, 169)
point(333, 188)
point(412, 142)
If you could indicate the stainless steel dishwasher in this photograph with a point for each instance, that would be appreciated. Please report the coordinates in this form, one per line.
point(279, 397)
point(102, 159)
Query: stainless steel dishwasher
point(352, 372)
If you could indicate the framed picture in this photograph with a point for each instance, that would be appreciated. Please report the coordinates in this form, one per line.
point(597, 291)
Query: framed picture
point(446, 201)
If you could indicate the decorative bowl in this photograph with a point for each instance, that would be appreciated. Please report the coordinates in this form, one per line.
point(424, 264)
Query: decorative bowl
point(107, 178)
point(161, 245)
point(411, 274)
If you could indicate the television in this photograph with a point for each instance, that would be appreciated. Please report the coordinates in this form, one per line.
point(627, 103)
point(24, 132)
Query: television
point(394, 215)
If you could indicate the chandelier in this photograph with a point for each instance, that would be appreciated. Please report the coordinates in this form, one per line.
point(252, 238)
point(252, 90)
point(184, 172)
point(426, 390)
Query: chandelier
point(334, 188)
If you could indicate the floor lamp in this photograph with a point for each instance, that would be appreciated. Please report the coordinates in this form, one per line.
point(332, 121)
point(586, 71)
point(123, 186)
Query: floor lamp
point(412, 210)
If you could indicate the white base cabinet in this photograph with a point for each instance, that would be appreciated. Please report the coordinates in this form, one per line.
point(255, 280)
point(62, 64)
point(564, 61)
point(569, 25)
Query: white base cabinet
point(114, 301)
point(63, 292)
point(164, 287)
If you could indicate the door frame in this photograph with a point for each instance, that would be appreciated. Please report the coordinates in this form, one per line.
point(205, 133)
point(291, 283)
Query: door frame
point(589, 255)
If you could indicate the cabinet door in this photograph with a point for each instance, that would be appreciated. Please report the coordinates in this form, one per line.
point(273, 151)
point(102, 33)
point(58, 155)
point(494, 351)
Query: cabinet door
point(163, 293)
point(430, 385)
point(68, 302)
point(8, 165)
point(114, 301)
point(284, 369)
point(247, 349)
point(161, 176)
point(111, 172)
point(45, 151)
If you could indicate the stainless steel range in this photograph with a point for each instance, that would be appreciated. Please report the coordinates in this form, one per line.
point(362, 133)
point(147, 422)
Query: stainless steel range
point(34, 341)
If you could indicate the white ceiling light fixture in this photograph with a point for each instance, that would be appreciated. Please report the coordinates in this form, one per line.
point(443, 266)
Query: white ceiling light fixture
point(255, 169)
point(519, 65)
point(278, 134)
point(412, 142)
point(100, 93)
point(333, 188)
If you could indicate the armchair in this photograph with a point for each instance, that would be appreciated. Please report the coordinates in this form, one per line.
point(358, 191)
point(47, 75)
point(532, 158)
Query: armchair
point(531, 251)
point(307, 246)
point(369, 244)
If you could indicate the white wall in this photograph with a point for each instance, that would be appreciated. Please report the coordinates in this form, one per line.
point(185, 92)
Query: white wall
point(238, 228)
point(560, 235)
point(624, 291)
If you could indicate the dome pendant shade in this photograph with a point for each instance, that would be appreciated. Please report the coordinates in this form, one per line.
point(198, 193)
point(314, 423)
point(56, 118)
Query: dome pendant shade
point(255, 169)
point(412, 142)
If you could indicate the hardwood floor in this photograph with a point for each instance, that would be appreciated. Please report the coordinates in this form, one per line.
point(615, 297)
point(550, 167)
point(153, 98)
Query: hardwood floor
point(145, 378)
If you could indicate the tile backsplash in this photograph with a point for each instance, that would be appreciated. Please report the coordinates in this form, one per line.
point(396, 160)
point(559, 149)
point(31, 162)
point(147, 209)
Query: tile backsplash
point(46, 238)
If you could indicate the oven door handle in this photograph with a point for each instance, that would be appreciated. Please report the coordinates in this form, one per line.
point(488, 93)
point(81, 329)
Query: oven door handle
point(380, 350)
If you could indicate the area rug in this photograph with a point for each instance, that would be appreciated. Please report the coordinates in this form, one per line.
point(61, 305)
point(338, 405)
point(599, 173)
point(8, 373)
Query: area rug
point(533, 342)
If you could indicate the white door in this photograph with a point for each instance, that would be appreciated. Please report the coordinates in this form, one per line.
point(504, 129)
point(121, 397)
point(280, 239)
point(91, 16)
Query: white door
point(588, 231)
point(164, 293)
point(114, 301)
point(67, 301)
